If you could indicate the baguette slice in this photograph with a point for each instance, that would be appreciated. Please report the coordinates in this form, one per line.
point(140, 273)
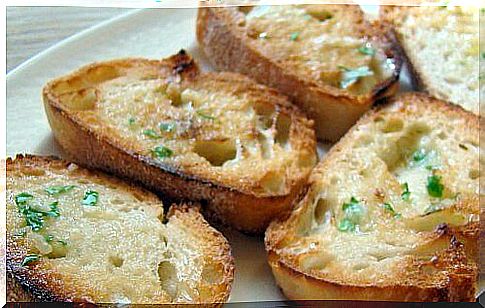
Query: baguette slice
point(392, 212)
point(217, 138)
point(441, 46)
point(102, 240)
point(327, 58)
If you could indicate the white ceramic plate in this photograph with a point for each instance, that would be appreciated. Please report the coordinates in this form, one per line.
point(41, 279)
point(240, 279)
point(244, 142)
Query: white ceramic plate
point(152, 33)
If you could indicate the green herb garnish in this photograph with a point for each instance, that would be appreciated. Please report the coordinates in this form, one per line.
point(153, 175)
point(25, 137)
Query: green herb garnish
point(263, 35)
point(483, 55)
point(434, 186)
point(23, 198)
point(34, 216)
point(351, 76)
point(29, 259)
point(346, 225)
point(406, 194)
point(388, 207)
point(204, 115)
point(419, 155)
point(167, 127)
point(462, 146)
point(151, 134)
point(55, 190)
point(131, 121)
point(367, 50)
point(353, 211)
point(294, 36)
point(90, 198)
point(162, 152)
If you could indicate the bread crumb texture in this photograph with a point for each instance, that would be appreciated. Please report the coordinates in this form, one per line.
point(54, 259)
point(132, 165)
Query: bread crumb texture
point(443, 46)
point(103, 240)
point(320, 41)
point(219, 127)
point(372, 216)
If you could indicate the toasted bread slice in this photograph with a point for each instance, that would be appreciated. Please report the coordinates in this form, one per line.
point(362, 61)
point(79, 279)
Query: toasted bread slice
point(326, 58)
point(77, 235)
point(441, 45)
point(392, 212)
point(218, 138)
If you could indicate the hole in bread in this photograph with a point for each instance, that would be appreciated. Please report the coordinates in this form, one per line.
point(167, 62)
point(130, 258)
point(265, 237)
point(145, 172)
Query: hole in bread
point(245, 9)
point(265, 114)
point(320, 211)
point(266, 146)
point(283, 124)
point(405, 146)
point(59, 250)
point(212, 273)
point(316, 261)
point(392, 125)
point(273, 182)
point(216, 152)
point(167, 274)
point(360, 266)
point(317, 12)
point(84, 99)
point(379, 256)
point(474, 174)
point(101, 74)
point(173, 93)
point(116, 261)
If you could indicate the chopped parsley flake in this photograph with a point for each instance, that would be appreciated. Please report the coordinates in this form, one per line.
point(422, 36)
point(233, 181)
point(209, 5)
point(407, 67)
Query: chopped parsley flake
point(33, 214)
point(346, 225)
point(55, 190)
point(162, 152)
point(434, 186)
point(29, 259)
point(90, 198)
point(367, 50)
point(294, 36)
point(350, 76)
point(23, 198)
point(406, 194)
point(131, 121)
point(353, 212)
point(462, 146)
point(151, 134)
point(388, 207)
point(419, 155)
point(167, 127)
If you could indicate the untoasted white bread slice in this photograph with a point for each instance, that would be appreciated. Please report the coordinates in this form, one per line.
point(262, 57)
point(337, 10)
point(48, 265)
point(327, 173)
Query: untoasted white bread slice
point(77, 235)
point(219, 138)
point(327, 58)
point(441, 45)
point(392, 212)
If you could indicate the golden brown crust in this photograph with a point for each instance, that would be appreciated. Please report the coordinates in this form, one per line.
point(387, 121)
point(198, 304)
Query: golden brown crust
point(39, 282)
point(454, 250)
point(333, 109)
point(235, 205)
